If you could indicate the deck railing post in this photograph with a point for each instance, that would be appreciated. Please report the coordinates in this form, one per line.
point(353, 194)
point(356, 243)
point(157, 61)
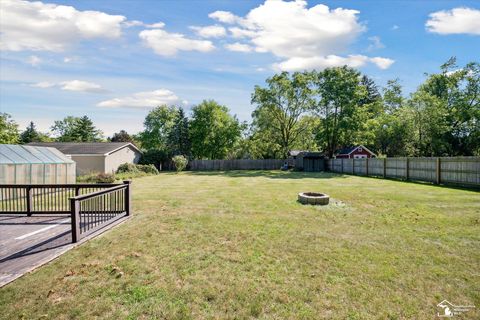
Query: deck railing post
point(75, 217)
point(29, 201)
point(128, 197)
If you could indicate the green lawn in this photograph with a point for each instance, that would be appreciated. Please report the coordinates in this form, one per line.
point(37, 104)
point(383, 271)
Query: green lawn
point(237, 245)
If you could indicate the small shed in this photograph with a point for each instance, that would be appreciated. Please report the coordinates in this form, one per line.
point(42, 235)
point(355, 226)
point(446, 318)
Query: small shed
point(96, 157)
point(355, 152)
point(34, 165)
point(312, 161)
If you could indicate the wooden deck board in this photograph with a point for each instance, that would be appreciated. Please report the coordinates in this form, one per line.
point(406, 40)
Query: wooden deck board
point(26, 243)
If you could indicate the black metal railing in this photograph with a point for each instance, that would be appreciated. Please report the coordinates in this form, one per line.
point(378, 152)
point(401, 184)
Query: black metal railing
point(91, 206)
point(95, 210)
point(43, 198)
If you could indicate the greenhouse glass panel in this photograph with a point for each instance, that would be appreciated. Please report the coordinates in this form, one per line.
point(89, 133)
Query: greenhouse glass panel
point(34, 165)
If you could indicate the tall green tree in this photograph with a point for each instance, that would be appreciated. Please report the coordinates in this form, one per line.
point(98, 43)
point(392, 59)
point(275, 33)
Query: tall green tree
point(339, 96)
point(456, 94)
point(178, 138)
point(158, 125)
point(280, 107)
point(213, 131)
point(8, 129)
point(31, 134)
point(121, 136)
point(76, 129)
point(85, 130)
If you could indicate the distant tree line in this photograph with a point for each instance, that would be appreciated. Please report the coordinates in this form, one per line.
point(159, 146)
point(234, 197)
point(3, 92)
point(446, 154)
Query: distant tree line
point(316, 110)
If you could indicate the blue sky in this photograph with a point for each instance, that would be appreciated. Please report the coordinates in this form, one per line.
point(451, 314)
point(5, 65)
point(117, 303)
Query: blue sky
point(115, 60)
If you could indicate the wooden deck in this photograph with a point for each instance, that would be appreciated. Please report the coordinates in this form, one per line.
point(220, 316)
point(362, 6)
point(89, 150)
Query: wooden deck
point(29, 242)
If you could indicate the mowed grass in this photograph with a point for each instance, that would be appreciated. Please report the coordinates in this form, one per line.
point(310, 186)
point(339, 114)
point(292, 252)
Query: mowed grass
point(237, 245)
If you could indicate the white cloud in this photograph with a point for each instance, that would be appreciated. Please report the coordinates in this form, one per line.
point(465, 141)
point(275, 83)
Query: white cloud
point(239, 47)
point(81, 86)
point(395, 27)
point(303, 37)
point(39, 26)
point(137, 23)
point(376, 43)
point(224, 16)
point(322, 62)
point(382, 63)
point(71, 85)
point(168, 44)
point(34, 61)
point(133, 23)
point(43, 85)
point(214, 31)
point(455, 21)
point(156, 25)
point(148, 99)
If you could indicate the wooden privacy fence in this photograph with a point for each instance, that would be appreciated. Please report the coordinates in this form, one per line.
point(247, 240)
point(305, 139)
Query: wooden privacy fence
point(441, 170)
point(237, 164)
point(90, 206)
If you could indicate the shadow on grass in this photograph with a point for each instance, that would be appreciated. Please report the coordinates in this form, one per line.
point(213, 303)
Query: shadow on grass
point(472, 188)
point(272, 174)
point(268, 174)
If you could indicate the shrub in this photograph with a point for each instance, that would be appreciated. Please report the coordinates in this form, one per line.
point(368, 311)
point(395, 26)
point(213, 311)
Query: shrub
point(137, 168)
point(127, 167)
point(180, 163)
point(97, 178)
point(147, 168)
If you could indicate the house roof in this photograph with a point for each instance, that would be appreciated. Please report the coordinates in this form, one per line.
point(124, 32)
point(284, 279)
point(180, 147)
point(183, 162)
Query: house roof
point(93, 148)
point(349, 150)
point(16, 154)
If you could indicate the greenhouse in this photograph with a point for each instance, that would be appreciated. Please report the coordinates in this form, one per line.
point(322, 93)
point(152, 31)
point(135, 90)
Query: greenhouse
point(34, 165)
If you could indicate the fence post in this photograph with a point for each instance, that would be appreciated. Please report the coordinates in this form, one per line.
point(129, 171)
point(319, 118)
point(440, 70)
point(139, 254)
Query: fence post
point(342, 163)
point(128, 197)
point(353, 166)
point(438, 171)
point(384, 167)
point(407, 169)
point(366, 167)
point(75, 217)
point(29, 201)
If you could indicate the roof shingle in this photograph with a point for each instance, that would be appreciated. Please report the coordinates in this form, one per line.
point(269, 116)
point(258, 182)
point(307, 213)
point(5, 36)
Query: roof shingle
point(83, 147)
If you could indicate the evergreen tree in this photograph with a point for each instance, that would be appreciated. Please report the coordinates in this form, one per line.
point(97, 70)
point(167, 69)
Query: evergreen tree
point(178, 138)
point(32, 135)
point(75, 129)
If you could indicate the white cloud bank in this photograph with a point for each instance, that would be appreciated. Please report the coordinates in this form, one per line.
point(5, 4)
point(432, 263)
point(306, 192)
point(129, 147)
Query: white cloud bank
point(455, 21)
point(168, 44)
point(72, 85)
point(148, 99)
point(214, 31)
point(39, 26)
point(239, 47)
point(303, 37)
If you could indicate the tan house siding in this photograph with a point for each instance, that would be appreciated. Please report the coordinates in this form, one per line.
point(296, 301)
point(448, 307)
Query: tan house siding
point(115, 159)
point(89, 164)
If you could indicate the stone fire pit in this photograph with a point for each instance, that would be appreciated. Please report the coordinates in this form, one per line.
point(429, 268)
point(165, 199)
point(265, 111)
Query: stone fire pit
point(313, 198)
